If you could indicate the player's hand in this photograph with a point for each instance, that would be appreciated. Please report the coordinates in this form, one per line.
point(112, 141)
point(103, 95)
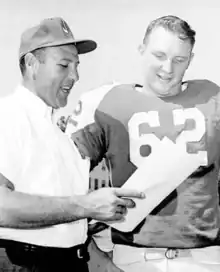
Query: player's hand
point(109, 204)
point(62, 123)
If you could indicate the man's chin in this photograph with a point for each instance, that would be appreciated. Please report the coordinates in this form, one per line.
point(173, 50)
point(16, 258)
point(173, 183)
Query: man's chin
point(61, 104)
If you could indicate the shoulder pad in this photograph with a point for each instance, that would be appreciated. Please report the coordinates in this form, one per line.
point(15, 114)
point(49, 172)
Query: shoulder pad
point(84, 112)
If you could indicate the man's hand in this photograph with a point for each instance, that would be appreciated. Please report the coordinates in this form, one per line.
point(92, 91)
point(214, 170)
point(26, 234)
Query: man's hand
point(109, 204)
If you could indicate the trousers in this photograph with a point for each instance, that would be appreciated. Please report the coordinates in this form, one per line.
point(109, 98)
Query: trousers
point(32, 258)
point(132, 259)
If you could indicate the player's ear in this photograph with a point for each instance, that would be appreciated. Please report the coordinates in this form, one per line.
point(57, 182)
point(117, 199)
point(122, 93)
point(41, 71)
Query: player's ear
point(141, 48)
point(191, 58)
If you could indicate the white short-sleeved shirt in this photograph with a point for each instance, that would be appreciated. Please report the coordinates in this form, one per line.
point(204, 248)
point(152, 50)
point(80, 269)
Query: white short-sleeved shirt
point(39, 159)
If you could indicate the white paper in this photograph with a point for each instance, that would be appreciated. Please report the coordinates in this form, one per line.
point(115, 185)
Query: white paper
point(168, 165)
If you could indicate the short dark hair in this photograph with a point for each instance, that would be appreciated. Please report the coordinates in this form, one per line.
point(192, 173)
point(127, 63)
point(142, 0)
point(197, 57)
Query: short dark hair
point(175, 25)
point(38, 53)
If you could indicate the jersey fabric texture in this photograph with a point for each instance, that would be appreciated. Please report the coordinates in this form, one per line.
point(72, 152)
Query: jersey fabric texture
point(123, 125)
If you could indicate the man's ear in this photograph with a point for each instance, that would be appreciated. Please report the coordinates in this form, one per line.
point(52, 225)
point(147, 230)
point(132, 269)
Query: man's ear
point(141, 48)
point(32, 65)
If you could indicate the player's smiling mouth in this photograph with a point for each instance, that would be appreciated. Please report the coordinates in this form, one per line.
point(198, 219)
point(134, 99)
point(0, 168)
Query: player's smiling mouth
point(164, 78)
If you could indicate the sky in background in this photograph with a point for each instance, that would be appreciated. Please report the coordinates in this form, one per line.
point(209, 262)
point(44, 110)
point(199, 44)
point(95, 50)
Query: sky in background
point(118, 27)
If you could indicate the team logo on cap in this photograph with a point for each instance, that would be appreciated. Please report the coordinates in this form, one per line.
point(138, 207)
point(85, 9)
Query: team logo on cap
point(65, 27)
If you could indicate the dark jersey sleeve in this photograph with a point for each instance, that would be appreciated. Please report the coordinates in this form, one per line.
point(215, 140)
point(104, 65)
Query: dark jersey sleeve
point(85, 126)
point(90, 141)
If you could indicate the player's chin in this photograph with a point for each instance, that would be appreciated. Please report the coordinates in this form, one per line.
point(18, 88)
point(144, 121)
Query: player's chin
point(165, 88)
point(162, 90)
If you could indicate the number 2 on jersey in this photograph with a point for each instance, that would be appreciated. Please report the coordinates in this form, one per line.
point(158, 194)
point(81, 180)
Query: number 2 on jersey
point(180, 116)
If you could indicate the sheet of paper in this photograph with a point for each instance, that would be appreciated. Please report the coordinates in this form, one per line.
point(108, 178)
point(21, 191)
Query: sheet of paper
point(168, 165)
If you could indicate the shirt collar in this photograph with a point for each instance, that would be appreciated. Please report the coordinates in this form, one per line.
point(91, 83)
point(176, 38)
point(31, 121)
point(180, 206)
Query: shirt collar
point(33, 103)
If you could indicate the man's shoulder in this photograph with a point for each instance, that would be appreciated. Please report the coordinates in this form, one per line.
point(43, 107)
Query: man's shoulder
point(12, 117)
point(93, 98)
point(8, 108)
point(84, 112)
point(199, 93)
point(203, 82)
point(203, 86)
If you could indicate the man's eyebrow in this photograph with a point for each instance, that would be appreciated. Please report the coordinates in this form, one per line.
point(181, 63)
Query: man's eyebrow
point(69, 60)
point(182, 57)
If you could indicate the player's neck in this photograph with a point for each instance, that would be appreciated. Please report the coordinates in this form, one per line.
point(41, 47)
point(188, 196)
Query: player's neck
point(149, 92)
point(145, 90)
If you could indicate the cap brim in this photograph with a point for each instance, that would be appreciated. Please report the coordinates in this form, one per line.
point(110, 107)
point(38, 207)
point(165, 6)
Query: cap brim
point(85, 46)
point(82, 46)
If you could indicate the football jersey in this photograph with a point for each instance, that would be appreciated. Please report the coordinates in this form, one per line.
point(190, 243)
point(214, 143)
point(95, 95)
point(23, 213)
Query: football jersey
point(124, 125)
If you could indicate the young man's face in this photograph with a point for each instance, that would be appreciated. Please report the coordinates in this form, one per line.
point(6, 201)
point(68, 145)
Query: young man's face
point(56, 76)
point(165, 60)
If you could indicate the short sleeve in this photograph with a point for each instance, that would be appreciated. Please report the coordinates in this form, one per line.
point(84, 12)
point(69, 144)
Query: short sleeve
point(84, 128)
point(84, 112)
point(12, 137)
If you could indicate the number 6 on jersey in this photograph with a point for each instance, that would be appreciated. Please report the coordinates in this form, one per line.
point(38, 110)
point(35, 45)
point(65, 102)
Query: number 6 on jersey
point(151, 141)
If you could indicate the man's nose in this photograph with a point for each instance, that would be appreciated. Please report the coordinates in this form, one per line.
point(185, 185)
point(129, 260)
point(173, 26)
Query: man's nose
point(73, 73)
point(167, 67)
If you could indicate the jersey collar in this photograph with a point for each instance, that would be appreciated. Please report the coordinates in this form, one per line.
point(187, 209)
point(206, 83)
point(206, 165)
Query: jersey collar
point(139, 87)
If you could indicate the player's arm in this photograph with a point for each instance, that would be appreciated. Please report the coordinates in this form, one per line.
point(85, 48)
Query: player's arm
point(85, 128)
point(62, 122)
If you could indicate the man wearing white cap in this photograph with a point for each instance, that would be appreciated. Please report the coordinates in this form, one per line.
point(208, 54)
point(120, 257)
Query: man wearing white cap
point(44, 203)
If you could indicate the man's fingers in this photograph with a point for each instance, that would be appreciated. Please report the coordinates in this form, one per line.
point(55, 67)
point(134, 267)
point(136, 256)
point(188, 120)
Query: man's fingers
point(118, 216)
point(121, 192)
point(121, 209)
point(129, 203)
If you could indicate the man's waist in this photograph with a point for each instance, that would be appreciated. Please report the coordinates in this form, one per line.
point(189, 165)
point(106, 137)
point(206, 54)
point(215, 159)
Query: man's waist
point(24, 254)
point(61, 236)
point(26, 247)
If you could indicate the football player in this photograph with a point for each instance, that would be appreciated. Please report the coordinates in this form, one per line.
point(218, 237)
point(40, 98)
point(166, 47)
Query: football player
point(123, 123)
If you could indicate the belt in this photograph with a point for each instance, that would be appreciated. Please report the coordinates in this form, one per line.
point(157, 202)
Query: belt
point(121, 254)
point(20, 253)
point(126, 254)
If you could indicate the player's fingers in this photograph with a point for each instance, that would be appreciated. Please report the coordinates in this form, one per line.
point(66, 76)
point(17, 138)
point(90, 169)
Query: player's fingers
point(96, 227)
point(121, 192)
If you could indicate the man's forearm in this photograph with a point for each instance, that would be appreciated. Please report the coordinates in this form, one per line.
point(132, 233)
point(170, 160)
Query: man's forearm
point(20, 210)
point(26, 211)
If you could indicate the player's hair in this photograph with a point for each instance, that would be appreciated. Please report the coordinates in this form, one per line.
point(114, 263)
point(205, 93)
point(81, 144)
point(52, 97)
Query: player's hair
point(175, 25)
point(38, 53)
